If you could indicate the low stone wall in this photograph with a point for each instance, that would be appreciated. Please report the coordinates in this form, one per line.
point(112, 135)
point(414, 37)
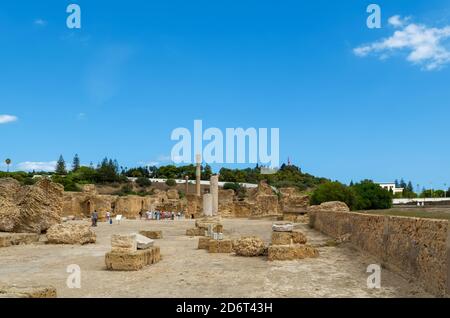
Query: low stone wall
point(417, 247)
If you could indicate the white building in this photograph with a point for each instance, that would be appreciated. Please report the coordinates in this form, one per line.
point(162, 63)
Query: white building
point(390, 187)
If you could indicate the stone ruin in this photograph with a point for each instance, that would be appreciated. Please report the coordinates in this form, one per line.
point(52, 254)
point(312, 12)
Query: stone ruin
point(31, 208)
point(288, 244)
point(131, 253)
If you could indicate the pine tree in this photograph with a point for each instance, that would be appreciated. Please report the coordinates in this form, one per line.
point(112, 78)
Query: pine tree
point(76, 163)
point(410, 187)
point(61, 166)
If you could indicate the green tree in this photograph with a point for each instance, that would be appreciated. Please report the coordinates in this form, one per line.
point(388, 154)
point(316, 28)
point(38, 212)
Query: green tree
point(76, 163)
point(332, 191)
point(143, 182)
point(61, 166)
point(370, 196)
point(171, 182)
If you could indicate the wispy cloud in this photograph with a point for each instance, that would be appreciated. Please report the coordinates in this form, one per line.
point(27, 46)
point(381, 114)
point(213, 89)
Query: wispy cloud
point(40, 22)
point(5, 119)
point(425, 46)
point(161, 159)
point(37, 166)
point(81, 116)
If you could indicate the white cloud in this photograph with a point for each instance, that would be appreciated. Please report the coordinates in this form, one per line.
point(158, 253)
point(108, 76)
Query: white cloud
point(396, 21)
point(37, 166)
point(161, 159)
point(5, 119)
point(81, 116)
point(423, 45)
point(40, 22)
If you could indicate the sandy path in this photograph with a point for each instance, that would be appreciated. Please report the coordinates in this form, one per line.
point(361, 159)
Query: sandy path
point(188, 272)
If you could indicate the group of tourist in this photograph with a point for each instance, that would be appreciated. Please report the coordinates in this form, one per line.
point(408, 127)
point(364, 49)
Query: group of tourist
point(161, 215)
point(149, 215)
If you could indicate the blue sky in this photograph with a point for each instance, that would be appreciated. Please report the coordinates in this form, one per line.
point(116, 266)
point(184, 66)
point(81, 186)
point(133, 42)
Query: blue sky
point(139, 69)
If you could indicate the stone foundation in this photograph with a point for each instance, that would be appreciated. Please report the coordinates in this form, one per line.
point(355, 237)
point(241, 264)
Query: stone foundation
point(132, 261)
point(154, 235)
point(291, 252)
point(203, 243)
point(10, 239)
point(220, 246)
point(195, 232)
point(27, 292)
point(417, 247)
point(286, 238)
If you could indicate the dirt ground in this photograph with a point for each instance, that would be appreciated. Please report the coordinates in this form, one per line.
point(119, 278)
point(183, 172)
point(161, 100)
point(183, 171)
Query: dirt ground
point(187, 272)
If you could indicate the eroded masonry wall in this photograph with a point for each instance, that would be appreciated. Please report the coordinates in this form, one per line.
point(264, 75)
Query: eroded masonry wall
point(417, 247)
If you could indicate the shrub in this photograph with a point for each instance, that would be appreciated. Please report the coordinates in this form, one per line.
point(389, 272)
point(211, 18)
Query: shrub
point(171, 182)
point(332, 191)
point(232, 185)
point(143, 182)
point(370, 196)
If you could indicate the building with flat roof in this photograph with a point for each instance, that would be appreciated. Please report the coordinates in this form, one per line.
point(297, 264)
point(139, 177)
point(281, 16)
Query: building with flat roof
point(390, 186)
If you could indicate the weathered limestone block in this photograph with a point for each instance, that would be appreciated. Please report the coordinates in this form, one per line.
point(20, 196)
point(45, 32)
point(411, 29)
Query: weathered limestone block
point(205, 222)
point(132, 261)
point(203, 243)
point(143, 242)
point(218, 228)
point(14, 291)
point(123, 243)
point(173, 194)
point(283, 227)
point(286, 238)
point(291, 252)
point(29, 209)
point(70, 233)
point(249, 246)
point(154, 235)
point(332, 206)
point(195, 232)
point(220, 246)
point(10, 239)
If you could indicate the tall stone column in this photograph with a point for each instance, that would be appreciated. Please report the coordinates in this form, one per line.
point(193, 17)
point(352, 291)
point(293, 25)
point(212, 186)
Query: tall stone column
point(207, 204)
point(214, 186)
point(198, 174)
point(186, 186)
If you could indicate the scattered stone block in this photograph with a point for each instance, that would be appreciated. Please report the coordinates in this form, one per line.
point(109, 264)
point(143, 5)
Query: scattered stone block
point(291, 252)
point(143, 242)
point(154, 235)
point(249, 246)
point(220, 246)
point(14, 291)
point(70, 233)
point(123, 243)
point(196, 232)
point(132, 261)
point(218, 228)
point(282, 227)
point(10, 239)
point(203, 243)
point(286, 238)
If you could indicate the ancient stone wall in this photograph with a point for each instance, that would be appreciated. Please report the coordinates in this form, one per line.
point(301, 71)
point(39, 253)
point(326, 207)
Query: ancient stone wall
point(417, 247)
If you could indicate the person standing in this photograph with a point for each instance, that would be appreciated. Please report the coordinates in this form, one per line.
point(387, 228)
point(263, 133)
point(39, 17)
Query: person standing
point(94, 218)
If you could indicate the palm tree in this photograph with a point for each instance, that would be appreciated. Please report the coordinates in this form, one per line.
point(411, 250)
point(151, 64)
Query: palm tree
point(8, 162)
